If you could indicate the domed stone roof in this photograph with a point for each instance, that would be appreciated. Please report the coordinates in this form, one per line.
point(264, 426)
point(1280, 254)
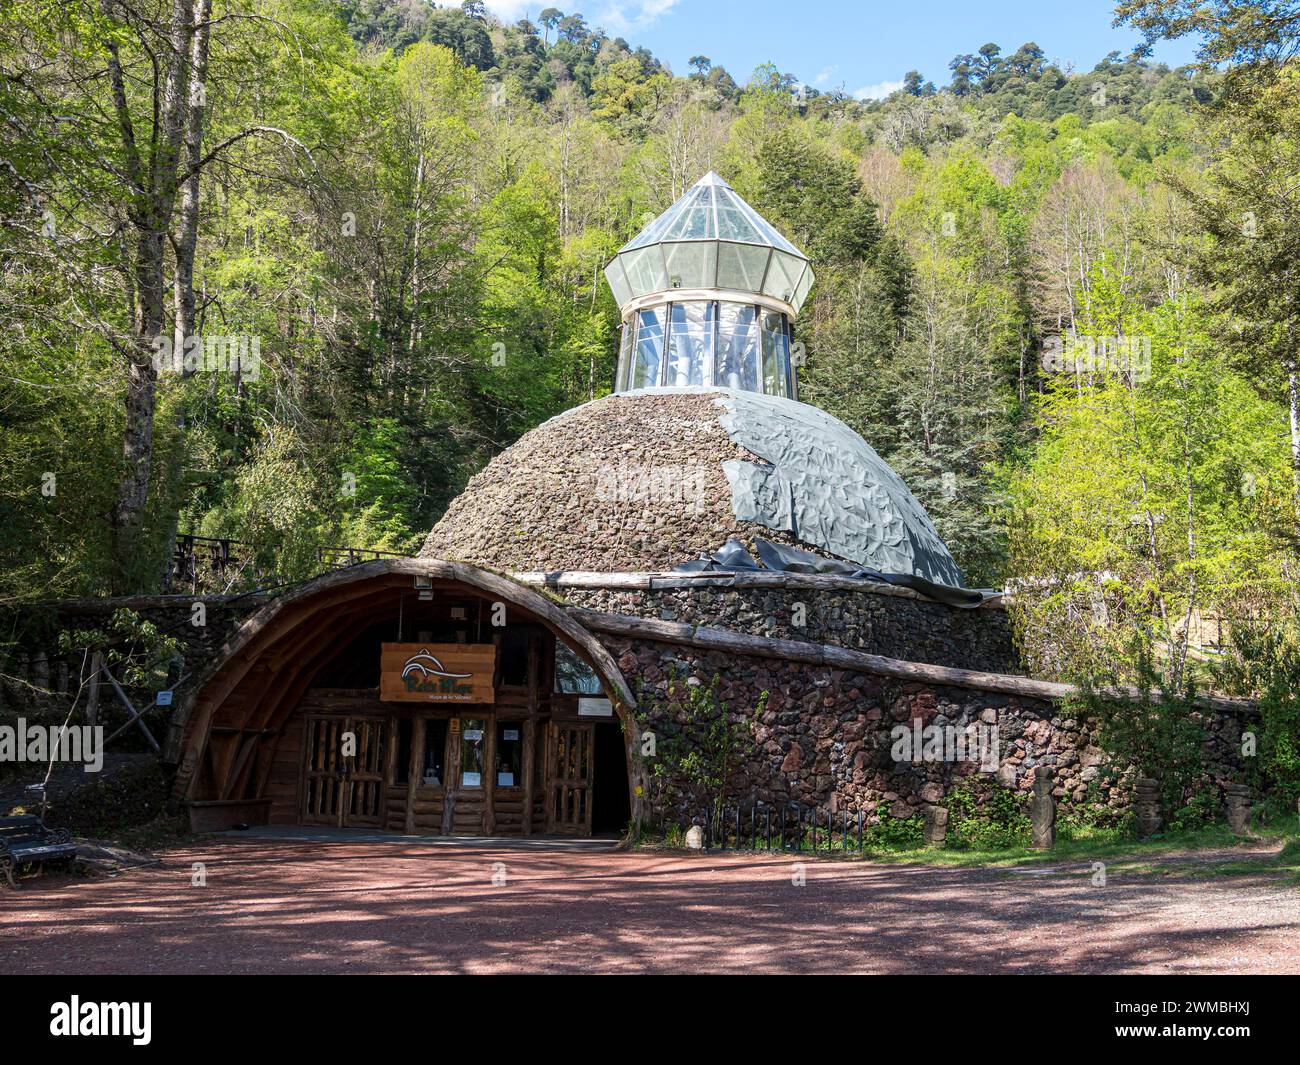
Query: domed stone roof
point(652, 479)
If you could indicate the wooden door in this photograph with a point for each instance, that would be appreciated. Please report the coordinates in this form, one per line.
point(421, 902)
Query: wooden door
point(365, 776)
point(339, 789)
point(322, 770)
point(570, 751)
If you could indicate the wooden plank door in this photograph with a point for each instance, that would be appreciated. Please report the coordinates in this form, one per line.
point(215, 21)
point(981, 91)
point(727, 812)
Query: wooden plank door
point(365, 775)
point(338, 790)
point(570, 754)
point(322, 771)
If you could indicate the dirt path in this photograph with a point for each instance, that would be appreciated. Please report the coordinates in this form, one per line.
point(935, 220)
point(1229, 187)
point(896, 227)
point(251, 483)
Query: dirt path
point(289, 907)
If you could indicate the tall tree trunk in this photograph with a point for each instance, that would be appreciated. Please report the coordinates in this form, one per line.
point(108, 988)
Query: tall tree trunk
point(151, 219)
point(185, 243)
point(1293, 405)
point(187, 237)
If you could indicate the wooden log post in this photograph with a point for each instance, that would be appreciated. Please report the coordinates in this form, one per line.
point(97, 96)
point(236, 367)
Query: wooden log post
point(414, 772)
point(529, 733)
point(1148, 806)
point(489, 780)
point(92, 689)
point(527, 770)
point(451, 777)
point(1043, 810)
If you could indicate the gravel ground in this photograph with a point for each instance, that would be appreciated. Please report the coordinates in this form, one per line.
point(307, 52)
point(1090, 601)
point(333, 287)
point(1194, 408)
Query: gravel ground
point(396, 907)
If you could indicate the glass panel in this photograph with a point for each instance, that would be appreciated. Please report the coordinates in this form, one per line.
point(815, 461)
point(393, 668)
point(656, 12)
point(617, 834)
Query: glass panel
point(572, 675)
point(645, 270)
point(731, 226)
point(690, 344)
point(435, 752)
point(618, 281)
point(649, 350)
point(738, 347)
point(625, 355)
point(473, 741)
point(776, 355)
point(510, 755)
point(756, 228)
point(801, 290)
point(692, 264)
point(698, 223)
point(741, 266)
point(782, 276)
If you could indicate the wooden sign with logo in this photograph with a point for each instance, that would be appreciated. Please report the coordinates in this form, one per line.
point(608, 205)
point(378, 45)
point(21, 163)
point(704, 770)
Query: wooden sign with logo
point(437, 673)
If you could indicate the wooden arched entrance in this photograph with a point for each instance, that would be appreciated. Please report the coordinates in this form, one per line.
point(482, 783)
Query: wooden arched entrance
point(301, 719)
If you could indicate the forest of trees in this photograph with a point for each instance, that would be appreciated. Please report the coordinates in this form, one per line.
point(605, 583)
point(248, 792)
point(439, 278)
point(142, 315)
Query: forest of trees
point(1062, 304)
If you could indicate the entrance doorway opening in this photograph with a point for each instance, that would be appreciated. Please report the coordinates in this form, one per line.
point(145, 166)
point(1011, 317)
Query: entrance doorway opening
point(611, 806)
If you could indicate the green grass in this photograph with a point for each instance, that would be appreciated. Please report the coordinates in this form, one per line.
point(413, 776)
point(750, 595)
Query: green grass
point(1119, 850)
point(1286, 862)
point(1100, 844)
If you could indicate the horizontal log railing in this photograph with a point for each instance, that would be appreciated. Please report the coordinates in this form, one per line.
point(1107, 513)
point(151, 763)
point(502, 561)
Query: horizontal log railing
point(667, 581)
point(819, 654)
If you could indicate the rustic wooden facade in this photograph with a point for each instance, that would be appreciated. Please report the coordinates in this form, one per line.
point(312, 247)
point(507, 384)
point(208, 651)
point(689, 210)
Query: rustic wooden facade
point(288, 725)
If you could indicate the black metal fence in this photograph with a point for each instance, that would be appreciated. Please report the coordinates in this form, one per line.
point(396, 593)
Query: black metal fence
point(208, 564)
point(789, 827)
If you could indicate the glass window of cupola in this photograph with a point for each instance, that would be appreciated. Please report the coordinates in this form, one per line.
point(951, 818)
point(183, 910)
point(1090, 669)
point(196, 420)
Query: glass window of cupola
point(720, 343)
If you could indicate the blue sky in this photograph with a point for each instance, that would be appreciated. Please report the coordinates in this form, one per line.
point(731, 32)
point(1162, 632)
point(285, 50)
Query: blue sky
point(862, 46)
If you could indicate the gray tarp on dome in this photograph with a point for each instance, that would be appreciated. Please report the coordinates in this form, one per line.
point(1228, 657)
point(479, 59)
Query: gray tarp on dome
point(826, 486)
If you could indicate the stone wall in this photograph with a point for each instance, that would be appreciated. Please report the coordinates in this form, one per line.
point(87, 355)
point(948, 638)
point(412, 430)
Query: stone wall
point(866, 618)
point(825, 740)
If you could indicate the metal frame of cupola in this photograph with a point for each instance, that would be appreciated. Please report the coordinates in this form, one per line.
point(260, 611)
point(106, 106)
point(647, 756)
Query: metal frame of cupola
point(709, 292)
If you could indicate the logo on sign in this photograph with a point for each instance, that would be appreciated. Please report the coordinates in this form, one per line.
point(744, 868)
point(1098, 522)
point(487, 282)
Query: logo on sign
point(428, 666)
point(424, 673)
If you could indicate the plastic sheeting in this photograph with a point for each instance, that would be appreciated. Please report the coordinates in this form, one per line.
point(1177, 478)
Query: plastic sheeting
point(827, 487)
point(733, 556)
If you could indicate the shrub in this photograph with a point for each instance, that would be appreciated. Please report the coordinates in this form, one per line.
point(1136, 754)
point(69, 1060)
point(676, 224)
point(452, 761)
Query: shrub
point(985, 815)
point(1264, 662)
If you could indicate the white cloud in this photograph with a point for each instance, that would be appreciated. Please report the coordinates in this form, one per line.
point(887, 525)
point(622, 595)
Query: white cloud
point(825, 76)
point(514, 10)
point(878, 91)
point(620, 16)
point(616, 17)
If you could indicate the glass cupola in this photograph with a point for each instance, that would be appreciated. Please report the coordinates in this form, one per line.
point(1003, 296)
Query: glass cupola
point(708, 292)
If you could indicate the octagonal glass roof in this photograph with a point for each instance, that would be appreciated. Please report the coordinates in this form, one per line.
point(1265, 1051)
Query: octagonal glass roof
point(711, 239)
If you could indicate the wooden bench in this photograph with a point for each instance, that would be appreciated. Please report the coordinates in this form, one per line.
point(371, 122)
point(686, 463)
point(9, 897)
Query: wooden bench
point(26, 841)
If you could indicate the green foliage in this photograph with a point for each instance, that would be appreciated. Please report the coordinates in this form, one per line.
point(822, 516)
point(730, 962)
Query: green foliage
point(136, 652)
point(894, 833)
point(1264, 663)
point(1198, 810)
point(128, 806)
point(985, 815)
point(699, 743)
point(1146, 502)
point(1156, 731)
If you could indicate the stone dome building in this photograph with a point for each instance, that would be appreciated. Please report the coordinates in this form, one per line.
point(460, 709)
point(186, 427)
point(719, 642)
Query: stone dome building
point(704, 439)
